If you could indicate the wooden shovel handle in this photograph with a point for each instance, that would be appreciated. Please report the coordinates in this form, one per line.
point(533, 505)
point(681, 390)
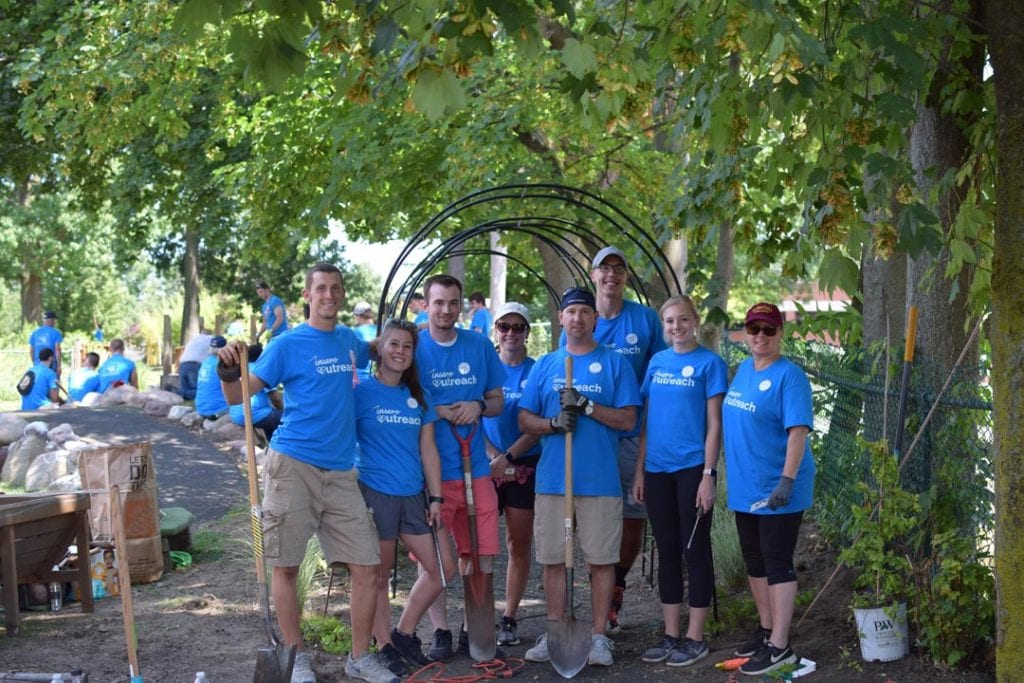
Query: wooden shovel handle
point(568, 474)
point(256, 513)
point(124, 581)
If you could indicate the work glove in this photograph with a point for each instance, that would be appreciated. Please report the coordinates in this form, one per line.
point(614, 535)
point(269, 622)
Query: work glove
point(780, 496)
point(565, 421)
point(570, 399)
point(233, 373)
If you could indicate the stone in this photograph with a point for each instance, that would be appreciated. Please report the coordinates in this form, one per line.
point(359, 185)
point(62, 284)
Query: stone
point(117, 395)
point(90, 399)
point(137, 399)
point(69, 482)
point(178, 411)
point(20, 457)
point(166, 396)
point(156, 406)
point(214, 425)
point(191, 419)
point(37, 428)
point(48, 467)
point(12, 427)
point(61, 433)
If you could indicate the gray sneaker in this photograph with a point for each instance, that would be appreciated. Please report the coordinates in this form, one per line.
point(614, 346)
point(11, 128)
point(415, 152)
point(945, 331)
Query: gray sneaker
point(689, 652)
point(368, 668)
point(539, 652)
point(662, 650)
point(302, 672)
point(600, 650)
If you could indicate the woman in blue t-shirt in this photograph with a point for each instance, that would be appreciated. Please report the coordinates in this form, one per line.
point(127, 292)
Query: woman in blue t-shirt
point(398, 460)
point(766, 418)
point(675, 475)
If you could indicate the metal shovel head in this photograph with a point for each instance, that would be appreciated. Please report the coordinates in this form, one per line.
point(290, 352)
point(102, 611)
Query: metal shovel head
point(569, 645)
point(479, 597)
point(274, 664)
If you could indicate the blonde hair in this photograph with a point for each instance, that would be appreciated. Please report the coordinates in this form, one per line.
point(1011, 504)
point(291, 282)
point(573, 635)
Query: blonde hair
point(679, 300)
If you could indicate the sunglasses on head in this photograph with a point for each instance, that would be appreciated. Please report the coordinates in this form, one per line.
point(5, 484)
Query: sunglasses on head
point(400, 324)
point(511, 327)
point(754, 330)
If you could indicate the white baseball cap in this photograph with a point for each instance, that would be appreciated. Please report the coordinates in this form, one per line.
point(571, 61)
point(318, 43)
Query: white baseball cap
point(606, 252)
point(510, 307)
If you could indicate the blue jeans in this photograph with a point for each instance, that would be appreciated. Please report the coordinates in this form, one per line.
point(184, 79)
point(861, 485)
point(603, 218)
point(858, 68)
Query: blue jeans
point(188, 379)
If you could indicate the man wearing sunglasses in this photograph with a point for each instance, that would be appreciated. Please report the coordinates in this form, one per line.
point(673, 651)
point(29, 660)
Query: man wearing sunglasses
point(634, 332)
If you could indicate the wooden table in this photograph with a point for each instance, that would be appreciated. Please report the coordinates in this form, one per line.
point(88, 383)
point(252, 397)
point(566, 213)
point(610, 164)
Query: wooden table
point(35, 532)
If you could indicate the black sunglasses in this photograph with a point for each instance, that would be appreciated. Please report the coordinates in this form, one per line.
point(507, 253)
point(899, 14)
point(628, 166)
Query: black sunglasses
point(518, 328)
point(754, 330)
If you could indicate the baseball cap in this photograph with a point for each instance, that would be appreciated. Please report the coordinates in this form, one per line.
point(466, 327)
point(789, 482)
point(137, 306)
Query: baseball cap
point(576, 295)
point(362, 308)
point(764, 312)
point(49, 315)
point(605, 253)
point(218, 342)
point(511, 307)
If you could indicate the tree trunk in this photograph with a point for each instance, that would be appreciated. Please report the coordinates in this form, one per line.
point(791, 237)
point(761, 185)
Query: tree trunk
point(499, 271)
point(190, 275)
point(30, 280)
point(560, 279)
point(1005, 23)
point(712, 333)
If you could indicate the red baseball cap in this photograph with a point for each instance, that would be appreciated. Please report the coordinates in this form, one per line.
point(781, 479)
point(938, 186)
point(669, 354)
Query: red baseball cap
point(766, 313)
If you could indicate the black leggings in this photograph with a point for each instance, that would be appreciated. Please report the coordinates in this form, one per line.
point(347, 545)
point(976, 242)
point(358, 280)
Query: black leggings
point(767, 543)
point(671, 499)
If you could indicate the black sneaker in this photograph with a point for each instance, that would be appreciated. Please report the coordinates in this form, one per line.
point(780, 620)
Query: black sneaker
point(441, 648)
point(508, 632)
point(392, 659)
point(750, 647)
point(463, 639)
point(410, 646)
point(768, 658)
point(662, 650)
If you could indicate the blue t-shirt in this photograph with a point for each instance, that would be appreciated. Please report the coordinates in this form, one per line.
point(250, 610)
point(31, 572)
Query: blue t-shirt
point(463, 371)
point(98, 335)
point(117, 368)
point(603, 376)
point(261, 407)
point(636, 334)
point(388, 422)
point(45, 337)
point(317, 369)
point(421, 318)
point(503, 430)
point(677, 387)
point(367, 333)
point(758, 409)
point(82, 381)
point(268, 315)
point(209, 395)
point(46, 381)
point(482, 321)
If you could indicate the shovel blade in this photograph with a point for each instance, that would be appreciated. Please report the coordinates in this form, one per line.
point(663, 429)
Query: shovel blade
point(569, 645)
point(274, 664)
point(479, 596)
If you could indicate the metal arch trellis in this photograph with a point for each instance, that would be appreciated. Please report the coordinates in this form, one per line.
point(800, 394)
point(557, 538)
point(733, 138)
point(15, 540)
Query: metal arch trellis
point(554, 231)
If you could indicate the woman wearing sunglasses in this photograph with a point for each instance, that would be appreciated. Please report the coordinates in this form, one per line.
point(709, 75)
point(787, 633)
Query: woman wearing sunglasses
point(398, 461)
point(767, 416)
point(514, 458)
point(675, 475)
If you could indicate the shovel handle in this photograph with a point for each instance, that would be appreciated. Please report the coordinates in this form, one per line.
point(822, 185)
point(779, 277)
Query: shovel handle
point(568, 475)
point(125, 582)
point(256, 512)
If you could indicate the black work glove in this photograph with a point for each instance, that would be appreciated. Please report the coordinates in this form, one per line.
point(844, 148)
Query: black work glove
point(570, 399)
point(780, 496)
point(233, 373)
point(565, 421)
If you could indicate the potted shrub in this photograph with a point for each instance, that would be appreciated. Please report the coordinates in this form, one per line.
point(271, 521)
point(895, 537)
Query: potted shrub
point(880, 525)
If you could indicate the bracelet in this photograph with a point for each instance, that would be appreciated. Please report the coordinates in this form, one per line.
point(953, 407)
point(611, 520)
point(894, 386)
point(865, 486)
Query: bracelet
point(483, 405)
point(710, 472)
point(435, 499)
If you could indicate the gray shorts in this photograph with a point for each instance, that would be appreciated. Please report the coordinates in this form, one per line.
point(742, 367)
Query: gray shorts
point(301, 500)
point(628, 448)
point(396, 515)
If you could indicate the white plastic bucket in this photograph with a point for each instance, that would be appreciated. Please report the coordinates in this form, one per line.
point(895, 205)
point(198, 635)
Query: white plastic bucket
point(883, 632)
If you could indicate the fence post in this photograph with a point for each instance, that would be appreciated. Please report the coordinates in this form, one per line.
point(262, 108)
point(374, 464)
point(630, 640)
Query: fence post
point(218, 324)
point(252, 328)
point(167, 347)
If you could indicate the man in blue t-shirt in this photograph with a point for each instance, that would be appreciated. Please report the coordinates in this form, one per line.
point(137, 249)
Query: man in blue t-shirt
point(117, 369)
point(43, 392)
point(481, 319)
point(85, 379)
point(210, 400)
point(46, 337)
point(463, 375)
point(365, 330)
point(275, 318)
point(310, 481)
point(601, 402)
point(418, 310)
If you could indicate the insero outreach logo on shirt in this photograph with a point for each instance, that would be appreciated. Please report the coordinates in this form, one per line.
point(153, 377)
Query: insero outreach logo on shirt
point(393, 416)
point(330, 366)
point(765, 385)
point(463, 368)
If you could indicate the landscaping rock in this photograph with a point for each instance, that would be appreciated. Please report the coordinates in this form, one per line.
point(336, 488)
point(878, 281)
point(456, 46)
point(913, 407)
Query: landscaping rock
point(69, 482)
point(157, 406)
point(166, 396)
point(48, 467)
point(90, 399)
point(178, 411)
point(20, 457)
point(137, 399)
point(36, 428)
point(117, 395)
point(214, 425)
point(191, 419)
point(61, 433)
point(12, 427)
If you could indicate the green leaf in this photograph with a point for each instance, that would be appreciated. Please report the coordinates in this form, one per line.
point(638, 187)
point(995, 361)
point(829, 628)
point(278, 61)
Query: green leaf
point(194, 15)
point(919, 230)
point(384, 37)
point(838, 271)
point(962, 251)
point(436, 91)
point(579, 58)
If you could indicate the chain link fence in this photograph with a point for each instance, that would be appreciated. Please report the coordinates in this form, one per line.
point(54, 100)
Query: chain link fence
point(951, 463)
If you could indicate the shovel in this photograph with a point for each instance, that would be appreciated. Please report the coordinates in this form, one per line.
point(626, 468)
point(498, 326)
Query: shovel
point(478, 587)
point(125, 583)
point(273, 664)
point(569, 640)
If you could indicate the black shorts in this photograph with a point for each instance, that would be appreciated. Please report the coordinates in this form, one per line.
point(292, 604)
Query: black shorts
point(518, 495)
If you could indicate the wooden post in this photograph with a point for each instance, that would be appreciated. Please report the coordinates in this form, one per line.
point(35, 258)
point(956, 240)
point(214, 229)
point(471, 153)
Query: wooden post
point(252, 328)
point(167, 347)
point(218, 324)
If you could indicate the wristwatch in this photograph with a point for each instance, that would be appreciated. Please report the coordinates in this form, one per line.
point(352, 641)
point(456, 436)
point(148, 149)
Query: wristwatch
point(508, 457)
point(483, 405)
point(710, 472)
point(436, 499)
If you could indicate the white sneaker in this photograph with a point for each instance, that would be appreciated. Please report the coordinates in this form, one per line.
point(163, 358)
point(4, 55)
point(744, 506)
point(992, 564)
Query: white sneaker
point(368, 668)
point(600, 650)
point(539, 652)
point(302, 672)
